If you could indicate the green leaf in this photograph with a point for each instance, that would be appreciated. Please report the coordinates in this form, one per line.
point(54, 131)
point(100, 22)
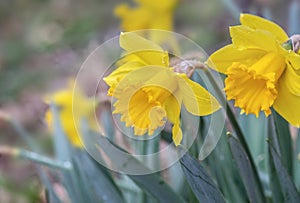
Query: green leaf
point(229, 183)
point(277, 195)
point(45, 179)
point(24, 135)
point(284, 141)
point(297, 162)
point(202, 185)
point(236, 127)
point(156, 186)
point(43, 160)
point(62, 146)
point(51, 197)
point(100, 185)
point(288, 188)
point(76, 189)
point(254, 137)
point(123, 161)
point(245, 170)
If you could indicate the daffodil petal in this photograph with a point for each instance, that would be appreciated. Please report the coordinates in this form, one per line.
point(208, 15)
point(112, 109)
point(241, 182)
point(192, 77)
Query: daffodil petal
point(287, 104)
point(172, 107)
point(196, 99)
point(292, 80)
point(258, 23)
point(73, 106)
point(294, 59)
point(133, 18)
point(244, 37)
point(158, 5)
point(223, 58)
point(121, 10)
point(148, 51)
point(177, 133)
point(163, 22)
point(118, 74)
point(132, 42)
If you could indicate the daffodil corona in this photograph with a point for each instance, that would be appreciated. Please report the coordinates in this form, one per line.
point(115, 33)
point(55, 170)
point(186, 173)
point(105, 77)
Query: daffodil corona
point(148, 91)
point(70, 115)
point(260, 72)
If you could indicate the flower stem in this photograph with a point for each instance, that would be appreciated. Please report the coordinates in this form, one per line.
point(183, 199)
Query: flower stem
point(43, 160)
point(229, 111)
point(233, 121)
point(34, 157)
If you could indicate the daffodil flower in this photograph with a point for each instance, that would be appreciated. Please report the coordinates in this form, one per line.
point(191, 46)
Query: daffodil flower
point(155, 15)
point(148, 91)
point(260, 72)
point(70, 115)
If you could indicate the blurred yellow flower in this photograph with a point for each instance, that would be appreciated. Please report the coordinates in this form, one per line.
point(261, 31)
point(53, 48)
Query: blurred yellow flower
point(148, 15)
point(70, 115)
point(148, 91)
point(260, 72)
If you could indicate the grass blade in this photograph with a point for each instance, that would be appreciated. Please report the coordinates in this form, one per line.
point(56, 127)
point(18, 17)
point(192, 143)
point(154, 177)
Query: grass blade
point(277, 195)
point(100, 185)
point(284, 138)
point(245, 170)
point(288, 188)
point(150, 182)
point(202, 185)
point(297, 162)
point(156, 186)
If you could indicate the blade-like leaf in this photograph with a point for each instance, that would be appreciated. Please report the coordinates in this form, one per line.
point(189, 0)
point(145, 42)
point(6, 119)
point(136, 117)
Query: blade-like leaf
point(297, 162)
point(101, 186)
point(43, 160)
point(229, 183)
point(61, 144)
point(284, 140)
point(288, 188)
point(202, 185)
point(245, 170)
point(35, 147)
point(123, 161)
point(156, 186)
point(277, 195)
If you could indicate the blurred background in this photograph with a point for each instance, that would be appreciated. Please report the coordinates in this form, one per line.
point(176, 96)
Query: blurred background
point(44, 42)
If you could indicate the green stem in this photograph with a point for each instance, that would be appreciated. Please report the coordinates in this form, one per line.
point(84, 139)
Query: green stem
point(40, 159)
point(284, 140)
point(234, 124)
point(35, 157)
point(24, 134)
point(229, 111)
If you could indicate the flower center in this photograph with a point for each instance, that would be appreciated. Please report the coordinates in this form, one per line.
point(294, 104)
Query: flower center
point(254, 88)
point(145, 109)
point(141, 103)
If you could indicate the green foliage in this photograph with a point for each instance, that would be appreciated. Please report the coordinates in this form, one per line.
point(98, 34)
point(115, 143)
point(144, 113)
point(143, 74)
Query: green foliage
point(245, 170)
point(202, 185)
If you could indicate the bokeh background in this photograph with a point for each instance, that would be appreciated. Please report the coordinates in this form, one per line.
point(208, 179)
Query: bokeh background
point(44, 42)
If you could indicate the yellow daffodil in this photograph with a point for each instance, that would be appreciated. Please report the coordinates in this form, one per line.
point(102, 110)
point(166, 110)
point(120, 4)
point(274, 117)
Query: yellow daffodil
point(70, 115)
point(260, 72)
point(148, 91)
point(149, 15)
